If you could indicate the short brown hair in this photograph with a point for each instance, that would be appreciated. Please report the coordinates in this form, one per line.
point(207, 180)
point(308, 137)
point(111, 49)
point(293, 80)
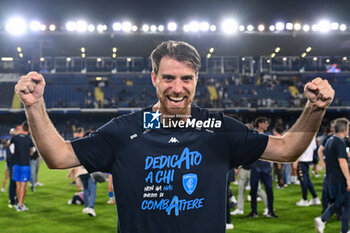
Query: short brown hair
point(179, 50)
point(25, 127)
point(259, 120)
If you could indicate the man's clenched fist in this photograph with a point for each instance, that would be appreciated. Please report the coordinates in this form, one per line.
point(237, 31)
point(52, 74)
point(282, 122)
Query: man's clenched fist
point(30, 88)
point(319, 93)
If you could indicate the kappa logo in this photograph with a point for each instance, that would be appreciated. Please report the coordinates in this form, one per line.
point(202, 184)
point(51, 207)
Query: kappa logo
point(173, 140)
point(151, 120)
point(189, 181)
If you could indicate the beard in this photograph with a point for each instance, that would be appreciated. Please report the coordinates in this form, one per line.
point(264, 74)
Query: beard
point(175, 113)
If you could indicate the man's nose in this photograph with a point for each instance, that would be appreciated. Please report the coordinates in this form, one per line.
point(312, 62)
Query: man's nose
point(177, 87)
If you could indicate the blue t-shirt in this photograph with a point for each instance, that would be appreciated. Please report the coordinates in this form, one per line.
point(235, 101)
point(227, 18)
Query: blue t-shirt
point(170, 180)
point(20, 145)
point(335, 149)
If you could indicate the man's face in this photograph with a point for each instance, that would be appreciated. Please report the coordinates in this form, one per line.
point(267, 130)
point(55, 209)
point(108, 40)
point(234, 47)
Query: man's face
point(264, 125)
point(175, 84)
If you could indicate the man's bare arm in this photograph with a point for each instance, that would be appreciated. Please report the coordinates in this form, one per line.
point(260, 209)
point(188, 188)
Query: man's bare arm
point(56, 152)
point(320, 153)
point(293, 143)
point(343, 163)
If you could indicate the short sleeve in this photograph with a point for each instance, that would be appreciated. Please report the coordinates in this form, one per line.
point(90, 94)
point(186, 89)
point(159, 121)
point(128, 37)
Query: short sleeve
point(341, 150)
point(96, 151)
point(246, 145)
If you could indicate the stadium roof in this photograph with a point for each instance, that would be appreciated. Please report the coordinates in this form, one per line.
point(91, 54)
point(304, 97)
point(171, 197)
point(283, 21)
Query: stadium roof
point(163, 11)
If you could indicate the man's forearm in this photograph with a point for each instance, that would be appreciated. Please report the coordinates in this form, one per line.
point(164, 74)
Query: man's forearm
point(50, 145)
point(299, 137)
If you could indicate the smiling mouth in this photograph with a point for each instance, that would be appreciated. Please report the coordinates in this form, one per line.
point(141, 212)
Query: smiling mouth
point(176, 99)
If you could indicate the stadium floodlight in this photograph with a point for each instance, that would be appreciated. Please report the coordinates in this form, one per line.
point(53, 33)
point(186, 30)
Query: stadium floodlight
point(71, 26)
point(334, 26)
point(297, 26)
point(91, 28)
point(134, 28)
point(315, 58)
point(34, 25)
point(153, 28)
point(117, 26)
point(68, 59)
point(272, 28)
point(328, 61)
point(345, 58)
point(315, 27)
point(6, 58)
point(279, 26)
point(306, 28)
point(277, 49)
point(42, 59)
point(52, 27)
point(82, 49)
point(126, 26)
point(241, 28)
point(261, 28)
point(268, 60)
point(145, 27)
point(42, 27)
point(303, 55)
point(128, 59)
point(101, 28)
point(172, 26)
point(308, 49)
point(209, 55)
point(212, 28)
point(160, 28)
point(81, 26)
point(204, 26)
point(20, 55)
point(243, 58)
point(284, 58)
point(342, 27)
point(99, 59)
point(19, 49)
point(194, 26)
point(114, 49)
point(229, 26)
point(250, 28)
point(114, 55)
point(273, 55)
point(324, 26)
point(16, 26)
point(83, 55)
point(186, 28)
point(289, 26)
point(211, 50)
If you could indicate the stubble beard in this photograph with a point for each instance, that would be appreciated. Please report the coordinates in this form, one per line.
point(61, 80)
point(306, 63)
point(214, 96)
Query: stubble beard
point(175, 114)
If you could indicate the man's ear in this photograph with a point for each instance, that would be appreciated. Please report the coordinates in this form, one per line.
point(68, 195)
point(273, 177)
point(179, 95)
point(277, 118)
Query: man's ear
point(154, 79)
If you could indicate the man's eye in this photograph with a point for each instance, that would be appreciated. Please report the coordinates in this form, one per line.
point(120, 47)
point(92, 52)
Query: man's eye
point(187, 78)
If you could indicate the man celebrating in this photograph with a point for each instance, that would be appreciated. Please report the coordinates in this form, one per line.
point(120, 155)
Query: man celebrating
point(169, 174)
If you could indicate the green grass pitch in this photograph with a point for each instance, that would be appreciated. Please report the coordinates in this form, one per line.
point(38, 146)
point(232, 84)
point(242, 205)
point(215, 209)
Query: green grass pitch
point(49, 211)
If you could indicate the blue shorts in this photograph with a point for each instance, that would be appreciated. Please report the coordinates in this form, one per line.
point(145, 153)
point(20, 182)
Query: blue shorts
point(21, 173)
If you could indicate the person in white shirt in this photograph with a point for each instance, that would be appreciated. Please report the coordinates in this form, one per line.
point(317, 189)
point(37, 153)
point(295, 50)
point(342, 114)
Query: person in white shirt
point(303, 175)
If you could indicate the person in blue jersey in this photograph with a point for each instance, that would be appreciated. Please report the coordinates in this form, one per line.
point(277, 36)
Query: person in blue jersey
point(338, 177)
point(169, 161)
point(22, 147)
point(12, 183)
point(261, 171)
